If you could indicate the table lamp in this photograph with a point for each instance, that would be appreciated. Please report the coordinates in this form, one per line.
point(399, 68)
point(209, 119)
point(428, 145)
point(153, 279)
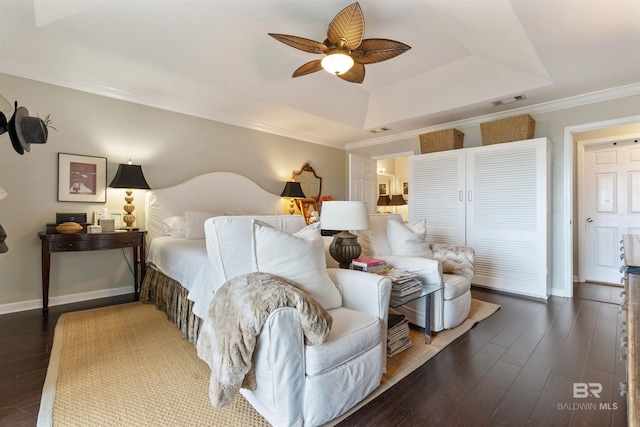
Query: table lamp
point(343, 216)
point(397, 200)
point(130, 177)
point(292, 190)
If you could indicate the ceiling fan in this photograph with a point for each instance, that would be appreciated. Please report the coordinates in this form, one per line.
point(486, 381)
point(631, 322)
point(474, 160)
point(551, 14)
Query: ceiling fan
point(346, 52)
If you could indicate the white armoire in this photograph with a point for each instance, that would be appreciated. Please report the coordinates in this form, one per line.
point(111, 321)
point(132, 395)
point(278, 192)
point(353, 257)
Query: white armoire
point(495, 199)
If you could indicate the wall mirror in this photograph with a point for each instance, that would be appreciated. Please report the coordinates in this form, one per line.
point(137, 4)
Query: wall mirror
point(311, 185)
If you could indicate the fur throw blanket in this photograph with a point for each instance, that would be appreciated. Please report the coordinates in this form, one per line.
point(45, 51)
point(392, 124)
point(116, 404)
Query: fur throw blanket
point(236, 315)
point(455, 259)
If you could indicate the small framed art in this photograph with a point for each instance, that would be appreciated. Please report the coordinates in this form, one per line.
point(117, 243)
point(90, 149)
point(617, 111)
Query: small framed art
point(82, 178)
point(115, 216)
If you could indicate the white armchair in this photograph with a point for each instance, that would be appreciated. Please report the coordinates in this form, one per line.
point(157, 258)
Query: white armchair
point(297, 384)
point(452, 266)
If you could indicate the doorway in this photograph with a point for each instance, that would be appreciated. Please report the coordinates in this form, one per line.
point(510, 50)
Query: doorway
point(608, 203)
point(393, 186)
point(606, 156)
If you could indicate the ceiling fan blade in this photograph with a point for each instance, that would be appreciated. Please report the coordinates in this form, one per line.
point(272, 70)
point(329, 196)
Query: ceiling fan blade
point(301, 43)
point(354, 75)
point(377, 50)
point(308, 68)
point(348, 25)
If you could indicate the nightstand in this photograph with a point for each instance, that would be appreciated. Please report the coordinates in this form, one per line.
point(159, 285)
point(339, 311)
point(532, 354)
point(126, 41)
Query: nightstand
point(54, 242)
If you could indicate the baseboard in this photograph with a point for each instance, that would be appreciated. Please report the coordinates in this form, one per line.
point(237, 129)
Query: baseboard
point(65, 299)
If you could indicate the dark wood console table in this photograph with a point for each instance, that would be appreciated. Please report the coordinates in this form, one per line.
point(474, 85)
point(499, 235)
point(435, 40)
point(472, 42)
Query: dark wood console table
point(54, 242)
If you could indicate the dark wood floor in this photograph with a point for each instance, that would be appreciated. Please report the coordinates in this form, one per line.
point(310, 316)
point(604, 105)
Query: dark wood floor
point(516, 368)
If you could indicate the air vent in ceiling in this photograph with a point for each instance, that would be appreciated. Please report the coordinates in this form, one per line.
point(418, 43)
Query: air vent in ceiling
point(509, 100)
point(379, 130)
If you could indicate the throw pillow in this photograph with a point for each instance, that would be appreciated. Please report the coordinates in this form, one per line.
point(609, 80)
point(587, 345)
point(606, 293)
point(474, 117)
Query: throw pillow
point(195, 224)
point(175, 226)
point(409, 239)
point(297, 257)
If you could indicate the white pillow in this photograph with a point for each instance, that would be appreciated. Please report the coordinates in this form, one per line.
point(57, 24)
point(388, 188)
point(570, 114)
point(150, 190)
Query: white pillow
point(409, 239)
point(297, 257)
point(195, 224)
point(175, 226)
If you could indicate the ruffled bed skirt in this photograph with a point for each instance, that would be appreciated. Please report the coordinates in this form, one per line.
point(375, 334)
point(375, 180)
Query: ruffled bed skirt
point(170, 297)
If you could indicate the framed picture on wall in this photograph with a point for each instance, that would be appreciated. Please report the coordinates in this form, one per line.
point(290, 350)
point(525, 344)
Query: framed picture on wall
point(383, 189)
point(82, 178)
point(405, 188)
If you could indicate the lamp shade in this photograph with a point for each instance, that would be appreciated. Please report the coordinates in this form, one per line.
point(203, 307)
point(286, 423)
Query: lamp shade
point(397, 200)
point(383, 201)
point(129, 176)
point(293, 190)
point(344, 215)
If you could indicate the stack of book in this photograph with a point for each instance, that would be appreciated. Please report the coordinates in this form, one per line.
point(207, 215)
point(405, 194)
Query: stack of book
point(403, 283)
point(368, 264)
point(398, 338)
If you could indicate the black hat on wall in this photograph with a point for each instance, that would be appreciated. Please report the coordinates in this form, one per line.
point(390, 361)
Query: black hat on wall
point(3, 246)
point(23, 129)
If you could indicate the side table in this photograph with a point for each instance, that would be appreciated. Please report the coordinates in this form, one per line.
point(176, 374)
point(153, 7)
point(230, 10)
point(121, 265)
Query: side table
point(54, 242)
point(426, 292)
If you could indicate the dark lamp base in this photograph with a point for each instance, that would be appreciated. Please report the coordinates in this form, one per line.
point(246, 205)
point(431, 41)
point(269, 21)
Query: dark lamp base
point(345, 248)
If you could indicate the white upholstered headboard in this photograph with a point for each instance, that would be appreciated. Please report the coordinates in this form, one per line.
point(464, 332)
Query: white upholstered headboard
point(220, 193)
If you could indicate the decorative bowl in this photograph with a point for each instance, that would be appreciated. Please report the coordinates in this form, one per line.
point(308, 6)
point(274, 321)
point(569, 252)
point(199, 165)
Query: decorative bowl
point(69, 228)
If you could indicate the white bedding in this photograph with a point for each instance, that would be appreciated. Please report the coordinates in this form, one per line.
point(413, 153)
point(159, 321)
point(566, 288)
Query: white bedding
point(185, 261)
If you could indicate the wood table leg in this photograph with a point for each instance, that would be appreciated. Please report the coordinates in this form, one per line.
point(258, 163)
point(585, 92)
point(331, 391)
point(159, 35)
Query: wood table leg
point(46, 268)
point(136, 277)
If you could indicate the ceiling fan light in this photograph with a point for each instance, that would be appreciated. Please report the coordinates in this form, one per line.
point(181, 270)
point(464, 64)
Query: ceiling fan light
point(337, 63)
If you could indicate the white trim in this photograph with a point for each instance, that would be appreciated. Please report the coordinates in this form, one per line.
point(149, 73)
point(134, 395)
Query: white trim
point(65, 299)
point(575, 101)
point(82, 85)
point(568, 169)
point(51, 77)
point(394, 155)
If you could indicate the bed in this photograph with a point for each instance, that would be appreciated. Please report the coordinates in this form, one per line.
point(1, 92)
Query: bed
point(179, 278)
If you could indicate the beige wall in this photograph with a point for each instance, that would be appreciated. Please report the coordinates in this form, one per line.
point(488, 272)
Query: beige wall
point(551, 125)
point(170, 147)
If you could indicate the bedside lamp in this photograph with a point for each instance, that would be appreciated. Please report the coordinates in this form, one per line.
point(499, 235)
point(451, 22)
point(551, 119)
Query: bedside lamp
point(344, 216)
point(130, 177)
point(383, 200)
point(292, 190)
point(397, 200)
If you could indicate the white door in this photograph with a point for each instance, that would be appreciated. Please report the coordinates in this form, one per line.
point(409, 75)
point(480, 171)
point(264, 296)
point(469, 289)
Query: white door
point(363, 180)
point(437, 193)
point(508, 206)
point(612, 206)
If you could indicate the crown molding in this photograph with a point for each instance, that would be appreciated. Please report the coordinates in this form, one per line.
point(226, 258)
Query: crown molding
point(561, 104)
point(57, 79)
point(70, 82)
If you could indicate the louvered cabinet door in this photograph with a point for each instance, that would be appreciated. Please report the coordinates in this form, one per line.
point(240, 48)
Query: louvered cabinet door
point(508, 205)
point(436, 192)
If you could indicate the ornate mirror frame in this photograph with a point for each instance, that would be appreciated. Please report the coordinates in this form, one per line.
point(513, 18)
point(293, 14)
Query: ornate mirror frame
point(308, 179)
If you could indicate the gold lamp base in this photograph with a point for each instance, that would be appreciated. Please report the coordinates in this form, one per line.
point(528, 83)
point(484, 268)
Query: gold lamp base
point(129, 218)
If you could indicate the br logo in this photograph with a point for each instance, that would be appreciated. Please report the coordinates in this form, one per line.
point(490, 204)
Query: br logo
point(584, 390)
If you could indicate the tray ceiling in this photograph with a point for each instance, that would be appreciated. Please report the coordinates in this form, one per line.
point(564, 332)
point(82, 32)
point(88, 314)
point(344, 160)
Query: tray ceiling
point(213, 58)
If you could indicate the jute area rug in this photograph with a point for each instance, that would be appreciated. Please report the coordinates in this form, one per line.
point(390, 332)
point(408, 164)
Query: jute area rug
point(127, 365)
